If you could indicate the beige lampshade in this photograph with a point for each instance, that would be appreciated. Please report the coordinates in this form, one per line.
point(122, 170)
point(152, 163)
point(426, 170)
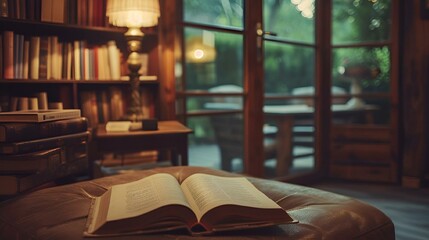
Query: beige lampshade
point(133, 13)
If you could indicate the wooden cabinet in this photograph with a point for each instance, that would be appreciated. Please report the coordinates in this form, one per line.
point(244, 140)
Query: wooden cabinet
point(360, 152)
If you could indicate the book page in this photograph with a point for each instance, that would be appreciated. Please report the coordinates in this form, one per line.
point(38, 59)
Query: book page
point(205, 192)
point(142, 196)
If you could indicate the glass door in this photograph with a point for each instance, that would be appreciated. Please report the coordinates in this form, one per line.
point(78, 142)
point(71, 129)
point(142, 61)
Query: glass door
point(248, 94)
point(364, 120)
point(290, 83)
point(210, 90)
point(278, 88)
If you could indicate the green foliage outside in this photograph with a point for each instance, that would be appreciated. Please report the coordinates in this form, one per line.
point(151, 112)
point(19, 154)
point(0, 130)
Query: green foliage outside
point(288, 65)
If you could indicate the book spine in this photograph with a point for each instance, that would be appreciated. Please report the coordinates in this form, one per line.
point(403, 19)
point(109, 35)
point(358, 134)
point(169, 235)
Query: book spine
point(30, 9)
point(76, 57)
point(49, 58)
point(18, 58)
point(46, 10)
point(4, 8)
point(41, 144)
point(33, 103)
point(58, 11)
point(69, 61)
point(34, 57)
point(43, 57)
point(73, 161)
point(59, 115)
point(1, 56)
point(11, 9)
point(31, 162)
point(15, 132)
point(8, 59)
point(26, 56)
point(22, 103)
point(114, 62)
point(117, 104)
point(37, 10)
point(89, 107)
point(42, 100)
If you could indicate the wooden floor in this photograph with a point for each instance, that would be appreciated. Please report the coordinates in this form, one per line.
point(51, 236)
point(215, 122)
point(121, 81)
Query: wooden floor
point(408, 208)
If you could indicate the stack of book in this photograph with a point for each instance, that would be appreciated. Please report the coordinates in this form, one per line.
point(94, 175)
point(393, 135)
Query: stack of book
point(40, 147)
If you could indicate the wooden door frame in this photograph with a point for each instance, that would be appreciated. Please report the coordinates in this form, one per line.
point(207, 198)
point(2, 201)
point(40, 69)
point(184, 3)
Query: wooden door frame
point(254, 87)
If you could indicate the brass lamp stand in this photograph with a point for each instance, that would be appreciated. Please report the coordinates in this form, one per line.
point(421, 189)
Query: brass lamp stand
point(134, 36)
point(133, 14)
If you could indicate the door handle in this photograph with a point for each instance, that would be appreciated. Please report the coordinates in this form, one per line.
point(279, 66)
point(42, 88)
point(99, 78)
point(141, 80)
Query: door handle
point(259, 34)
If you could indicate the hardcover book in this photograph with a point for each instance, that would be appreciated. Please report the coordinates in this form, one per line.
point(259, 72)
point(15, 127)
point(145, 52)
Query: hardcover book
point(19, 183)
point(73, 161)
point(31, 162)
point(202, 204)
point(17, 132)
point(39, 115)
point(42, 143)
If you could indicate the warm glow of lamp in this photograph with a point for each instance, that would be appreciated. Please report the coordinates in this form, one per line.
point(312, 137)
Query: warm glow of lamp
point(201, 49)
point(133, 14)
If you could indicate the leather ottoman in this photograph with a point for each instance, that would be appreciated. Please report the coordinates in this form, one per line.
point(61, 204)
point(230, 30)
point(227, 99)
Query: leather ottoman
point(61, 212)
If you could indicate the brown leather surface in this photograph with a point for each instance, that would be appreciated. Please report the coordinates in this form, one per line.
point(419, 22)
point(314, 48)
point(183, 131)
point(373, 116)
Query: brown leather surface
point(60, 212)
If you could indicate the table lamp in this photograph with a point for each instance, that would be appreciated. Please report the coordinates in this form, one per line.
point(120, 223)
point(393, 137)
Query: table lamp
point(133, 14)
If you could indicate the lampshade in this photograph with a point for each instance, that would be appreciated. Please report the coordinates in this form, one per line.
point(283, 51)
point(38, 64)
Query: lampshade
point(133, 13)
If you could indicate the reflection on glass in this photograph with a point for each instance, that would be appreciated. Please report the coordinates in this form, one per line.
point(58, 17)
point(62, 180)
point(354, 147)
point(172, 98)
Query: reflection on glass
point(214, 12)
point(215, 103)
point(290, 19)
point(293, 136)
point(361, 70)
point(217, 142)
point(360, 21)
point(288, 67)
point(212, 59)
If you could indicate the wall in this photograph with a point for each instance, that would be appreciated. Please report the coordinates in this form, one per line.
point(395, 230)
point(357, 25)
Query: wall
point(414, 93)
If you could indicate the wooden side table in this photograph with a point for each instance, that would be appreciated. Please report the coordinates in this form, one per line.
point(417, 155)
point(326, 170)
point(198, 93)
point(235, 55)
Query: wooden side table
point(171, 135)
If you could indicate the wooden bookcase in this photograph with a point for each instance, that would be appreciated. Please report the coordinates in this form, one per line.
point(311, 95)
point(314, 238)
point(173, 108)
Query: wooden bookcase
point(69, 91)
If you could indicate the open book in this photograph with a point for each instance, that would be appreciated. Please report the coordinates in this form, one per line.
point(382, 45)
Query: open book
point(202, 203)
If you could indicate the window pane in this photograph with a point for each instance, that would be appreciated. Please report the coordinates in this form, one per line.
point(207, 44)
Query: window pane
point(294, 132)
point(215, 103)
point(214, 12)
point(362, 71)
point(366, 68)
point(290, 19)
point(288, 67)
point(217, 142)
point(212, 59)
point(360, 21)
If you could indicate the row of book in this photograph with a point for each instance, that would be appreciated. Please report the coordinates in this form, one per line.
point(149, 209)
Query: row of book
point(46, 57)
point(111, 104)
point(80, 12)
point(35, 153)
point(35, 101)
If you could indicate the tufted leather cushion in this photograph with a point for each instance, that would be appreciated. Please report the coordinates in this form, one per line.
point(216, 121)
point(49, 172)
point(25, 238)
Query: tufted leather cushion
point(60, 212)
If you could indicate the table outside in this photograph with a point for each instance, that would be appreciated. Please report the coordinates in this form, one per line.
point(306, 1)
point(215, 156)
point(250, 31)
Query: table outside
point(285, 116)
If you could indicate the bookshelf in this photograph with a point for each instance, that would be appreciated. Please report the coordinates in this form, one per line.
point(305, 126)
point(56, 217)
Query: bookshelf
point(66, 88)
point(90, 90)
